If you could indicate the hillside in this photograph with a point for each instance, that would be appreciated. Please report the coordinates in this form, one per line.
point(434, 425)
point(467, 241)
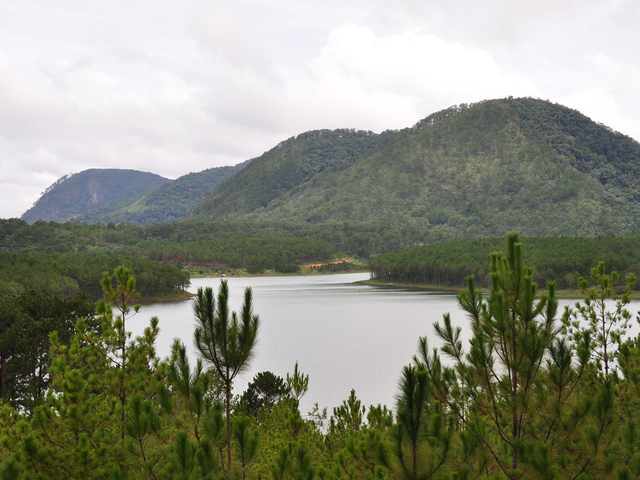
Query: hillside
point(167, 203)
point(471, 170)
point(278, 172)
point(89, 190)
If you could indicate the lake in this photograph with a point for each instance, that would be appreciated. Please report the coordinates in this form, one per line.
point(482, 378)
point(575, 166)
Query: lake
point(343, 334)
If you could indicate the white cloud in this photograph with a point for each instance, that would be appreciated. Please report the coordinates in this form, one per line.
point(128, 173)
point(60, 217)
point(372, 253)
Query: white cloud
point(393, 81)
point(609, 94)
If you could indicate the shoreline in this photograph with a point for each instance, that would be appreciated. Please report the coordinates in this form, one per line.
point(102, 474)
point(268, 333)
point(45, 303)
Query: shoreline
point(564, 294)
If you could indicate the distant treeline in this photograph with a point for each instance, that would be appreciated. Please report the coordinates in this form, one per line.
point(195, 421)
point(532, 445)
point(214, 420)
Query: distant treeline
point(255, 253)
point(64, 274)
point(341, 267)
point(173, 238)
point(64, 258)
point(561, 258)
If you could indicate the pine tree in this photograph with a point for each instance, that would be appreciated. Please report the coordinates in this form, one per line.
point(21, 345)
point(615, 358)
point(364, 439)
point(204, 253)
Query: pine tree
point(224, 341)
point(492, 389)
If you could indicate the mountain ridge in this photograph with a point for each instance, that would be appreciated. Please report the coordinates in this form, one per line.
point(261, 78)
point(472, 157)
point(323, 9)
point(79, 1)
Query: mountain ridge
point(292, 162)
point(470, 170)
point(480, 169)
point(166, 203)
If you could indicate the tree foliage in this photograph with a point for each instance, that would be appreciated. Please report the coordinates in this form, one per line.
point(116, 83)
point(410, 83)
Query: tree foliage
point(26, 321)
point(225, 341)
point(565, 259)
point(62, 274)
point(527, 397)
point(264, 391)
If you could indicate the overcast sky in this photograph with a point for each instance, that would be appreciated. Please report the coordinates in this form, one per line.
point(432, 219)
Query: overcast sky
point(173, 87)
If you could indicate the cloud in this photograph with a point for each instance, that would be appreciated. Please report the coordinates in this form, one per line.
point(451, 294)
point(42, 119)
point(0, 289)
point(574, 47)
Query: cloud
point(381, 82)
point(608, 94)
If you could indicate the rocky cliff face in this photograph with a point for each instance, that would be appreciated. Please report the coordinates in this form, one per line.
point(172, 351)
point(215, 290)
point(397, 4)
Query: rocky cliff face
point(88, 190)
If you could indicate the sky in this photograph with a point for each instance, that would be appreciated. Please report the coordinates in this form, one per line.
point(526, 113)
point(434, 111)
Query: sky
point(179, 86)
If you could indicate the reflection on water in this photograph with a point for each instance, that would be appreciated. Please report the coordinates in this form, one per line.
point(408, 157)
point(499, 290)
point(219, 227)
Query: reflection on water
point(344, 335)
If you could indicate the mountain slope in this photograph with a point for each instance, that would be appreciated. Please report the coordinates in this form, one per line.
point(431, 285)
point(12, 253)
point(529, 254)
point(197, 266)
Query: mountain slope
point(167, 203)
point(283, 168)
point(484, 169)
point(89, 190)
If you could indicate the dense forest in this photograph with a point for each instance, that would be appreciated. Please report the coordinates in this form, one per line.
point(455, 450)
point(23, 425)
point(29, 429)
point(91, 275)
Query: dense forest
point(66, 274)
point(50, 237)
point(536, 393)
point(67, 257)
point(562, 259)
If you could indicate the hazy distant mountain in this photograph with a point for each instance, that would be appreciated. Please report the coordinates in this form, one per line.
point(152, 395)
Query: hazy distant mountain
point(481, 169)
point(89, 190)
point(167, 203)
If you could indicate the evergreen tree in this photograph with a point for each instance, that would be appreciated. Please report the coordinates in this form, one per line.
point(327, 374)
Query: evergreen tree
point(264, 391)
point(225, 341)
point(595, 318)
point(119, 296)
point(297, 383)
point(421, 438)
point(492, 389)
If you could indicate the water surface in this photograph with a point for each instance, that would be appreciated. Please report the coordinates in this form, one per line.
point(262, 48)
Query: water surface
point(343, 334)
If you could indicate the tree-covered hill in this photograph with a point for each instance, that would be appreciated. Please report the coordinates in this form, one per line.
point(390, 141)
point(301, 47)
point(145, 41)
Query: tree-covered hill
point(271, 178)
point(91, 189)
point(471, 170)
point(168, 202)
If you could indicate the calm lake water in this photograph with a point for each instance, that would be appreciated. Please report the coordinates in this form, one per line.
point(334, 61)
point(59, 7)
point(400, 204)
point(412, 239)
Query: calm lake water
point(344, 335)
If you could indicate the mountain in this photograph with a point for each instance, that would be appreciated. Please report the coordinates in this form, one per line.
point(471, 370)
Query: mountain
point(91, 189)
point(277, 173)
point(470, 170)
point(167, 203)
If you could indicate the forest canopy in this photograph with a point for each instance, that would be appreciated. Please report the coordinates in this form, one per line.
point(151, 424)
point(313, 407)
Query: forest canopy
point(563, 259)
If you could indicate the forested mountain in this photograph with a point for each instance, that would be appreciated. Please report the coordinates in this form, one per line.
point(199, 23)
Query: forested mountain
point(471, 170)
point(169, 202)
point(91, 189)
point(271, 178)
